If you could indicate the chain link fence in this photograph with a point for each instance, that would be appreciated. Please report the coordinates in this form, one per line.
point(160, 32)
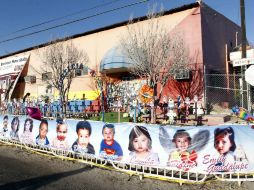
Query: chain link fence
point(228, 90)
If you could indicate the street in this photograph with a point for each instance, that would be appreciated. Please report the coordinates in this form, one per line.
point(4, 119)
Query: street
point(22, 169)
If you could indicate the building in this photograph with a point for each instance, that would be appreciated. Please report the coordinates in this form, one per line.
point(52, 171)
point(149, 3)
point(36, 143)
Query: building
point(205, 31)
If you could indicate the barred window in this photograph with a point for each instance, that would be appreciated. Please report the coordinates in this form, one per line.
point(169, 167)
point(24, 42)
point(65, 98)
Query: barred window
point(46, 76)
point(182, 74)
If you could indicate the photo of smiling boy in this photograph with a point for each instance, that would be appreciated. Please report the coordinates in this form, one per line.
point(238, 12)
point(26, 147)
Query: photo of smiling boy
point(60, 141)
point(110, 148)
point(42, 139)
point(82, 145)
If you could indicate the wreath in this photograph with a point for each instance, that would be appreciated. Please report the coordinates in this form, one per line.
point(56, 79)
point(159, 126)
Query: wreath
point(146, 94)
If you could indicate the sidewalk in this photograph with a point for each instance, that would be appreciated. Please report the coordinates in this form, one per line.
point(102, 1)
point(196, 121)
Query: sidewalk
point(217, 119)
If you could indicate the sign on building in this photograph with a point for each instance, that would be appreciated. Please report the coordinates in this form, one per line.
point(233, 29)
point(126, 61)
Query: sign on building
point(10, 69)
point(243, 62)
point(238, 54)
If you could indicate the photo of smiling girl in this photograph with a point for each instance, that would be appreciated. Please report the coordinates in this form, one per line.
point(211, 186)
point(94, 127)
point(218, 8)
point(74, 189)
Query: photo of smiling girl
point(5, 126)
point(140, 145)
point(182, 142)
point(42, 139)
point(14, 134)
point(60, 141)
point(224, 143)
point(27, 136)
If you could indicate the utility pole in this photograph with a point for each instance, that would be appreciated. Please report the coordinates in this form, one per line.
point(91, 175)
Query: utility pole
point(243, 26)
point(244, 40)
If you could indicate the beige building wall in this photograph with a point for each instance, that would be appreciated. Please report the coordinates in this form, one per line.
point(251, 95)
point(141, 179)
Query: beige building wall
point(96, 45)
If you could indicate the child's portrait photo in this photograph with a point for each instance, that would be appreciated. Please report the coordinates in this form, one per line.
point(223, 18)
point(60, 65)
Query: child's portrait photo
point(140, 147)
point(42, 139)
point(27, 136)
point(182, 141)
point(224, 143)
point(5, 126)
point(60, 141)
point(15, 128)
point(82, 144)
point(110, 148)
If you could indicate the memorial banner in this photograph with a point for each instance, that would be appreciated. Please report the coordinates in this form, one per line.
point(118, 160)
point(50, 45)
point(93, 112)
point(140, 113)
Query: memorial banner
point(206, 149)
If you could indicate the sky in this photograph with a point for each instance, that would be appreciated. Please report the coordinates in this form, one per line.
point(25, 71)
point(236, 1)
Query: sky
point(27, 23)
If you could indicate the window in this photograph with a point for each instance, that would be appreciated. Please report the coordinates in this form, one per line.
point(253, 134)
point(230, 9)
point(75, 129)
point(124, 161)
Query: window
point(48, 89)
point(182, 74)
point(46, 76)
point(85, 71)
point(78, 72)
point(30, 79)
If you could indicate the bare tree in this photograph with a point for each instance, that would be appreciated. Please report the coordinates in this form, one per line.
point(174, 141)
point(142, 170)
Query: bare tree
point(61, 59)
point(154, 54)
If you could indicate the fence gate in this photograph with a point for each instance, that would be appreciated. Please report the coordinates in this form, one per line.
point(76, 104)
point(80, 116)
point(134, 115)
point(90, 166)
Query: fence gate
point(228, 89)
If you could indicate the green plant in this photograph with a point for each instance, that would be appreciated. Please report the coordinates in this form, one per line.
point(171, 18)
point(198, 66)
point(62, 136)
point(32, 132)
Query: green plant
point(111, 117)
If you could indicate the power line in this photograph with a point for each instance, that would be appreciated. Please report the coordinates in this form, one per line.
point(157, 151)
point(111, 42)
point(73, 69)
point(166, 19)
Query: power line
point(61, 17)
point(70, 22)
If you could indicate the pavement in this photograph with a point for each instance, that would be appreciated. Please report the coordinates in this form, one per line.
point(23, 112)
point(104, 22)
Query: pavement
point(218, 119)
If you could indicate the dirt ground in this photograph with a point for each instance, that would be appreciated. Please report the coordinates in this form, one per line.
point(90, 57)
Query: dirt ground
point(22, 169)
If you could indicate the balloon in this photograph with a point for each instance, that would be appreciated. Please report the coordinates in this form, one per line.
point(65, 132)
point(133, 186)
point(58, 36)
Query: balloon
point(246, 116)
point(250, 118)
point(234, 109)
point(34, 113)
point(237, 111)
point(242, 114)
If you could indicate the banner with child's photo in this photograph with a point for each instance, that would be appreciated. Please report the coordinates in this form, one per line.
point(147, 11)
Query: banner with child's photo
point(206, 149)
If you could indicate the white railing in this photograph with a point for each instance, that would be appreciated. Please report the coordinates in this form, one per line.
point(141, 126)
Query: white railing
point(170, 174)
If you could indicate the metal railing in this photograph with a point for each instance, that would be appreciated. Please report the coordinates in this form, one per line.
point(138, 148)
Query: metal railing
point(161, 173)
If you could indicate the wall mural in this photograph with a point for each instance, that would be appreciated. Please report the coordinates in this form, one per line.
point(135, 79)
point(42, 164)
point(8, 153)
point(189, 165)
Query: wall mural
point(125, 91)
